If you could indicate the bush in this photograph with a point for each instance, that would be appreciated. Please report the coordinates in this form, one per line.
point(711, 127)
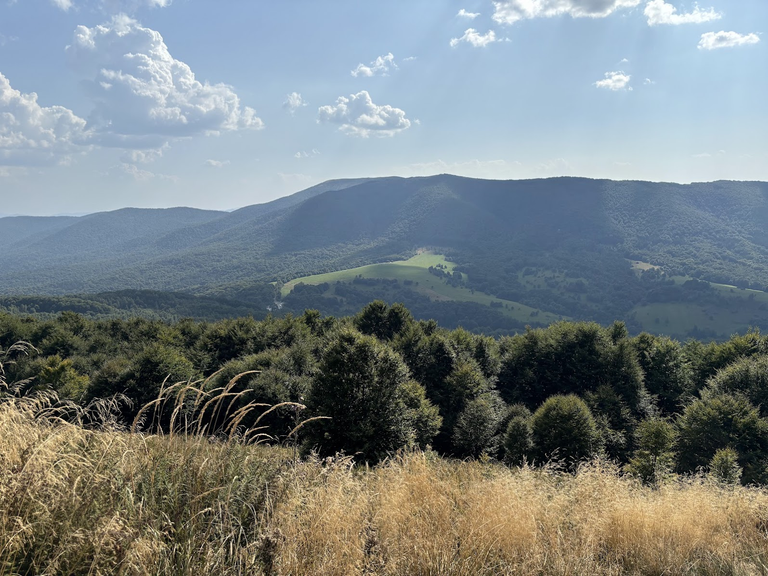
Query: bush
point(724, 467)
point(563, 429)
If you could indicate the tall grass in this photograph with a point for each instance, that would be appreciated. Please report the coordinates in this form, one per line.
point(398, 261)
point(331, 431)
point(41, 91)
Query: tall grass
point(80, 501)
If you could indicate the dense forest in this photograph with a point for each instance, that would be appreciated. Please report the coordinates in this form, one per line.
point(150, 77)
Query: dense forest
point(380, 381)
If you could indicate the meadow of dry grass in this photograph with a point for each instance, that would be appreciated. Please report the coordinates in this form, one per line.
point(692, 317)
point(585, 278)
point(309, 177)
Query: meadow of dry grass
point(77, 501)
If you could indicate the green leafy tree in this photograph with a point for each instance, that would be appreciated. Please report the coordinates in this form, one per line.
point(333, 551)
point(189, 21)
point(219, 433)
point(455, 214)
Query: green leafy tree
point(667, 374)
point(60, 375)
point(361, 385)
point(518, 436)
point(384, 322)
point(570, 358)
point(747, 376)
point(654, 459)
point(142, 380)
point(423, 417)
point(718, 421)
point(564, 429)
point(476, 429)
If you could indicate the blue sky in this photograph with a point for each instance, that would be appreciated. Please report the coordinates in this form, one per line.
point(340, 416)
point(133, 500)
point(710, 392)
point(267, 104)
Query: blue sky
point(158, 103)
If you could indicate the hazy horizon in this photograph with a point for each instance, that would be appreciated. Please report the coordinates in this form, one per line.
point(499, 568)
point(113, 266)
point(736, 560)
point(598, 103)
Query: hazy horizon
point(228, 210)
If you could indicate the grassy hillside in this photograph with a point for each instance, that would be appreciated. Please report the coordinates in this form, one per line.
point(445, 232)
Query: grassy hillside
point(75, 501)
point(415, 274)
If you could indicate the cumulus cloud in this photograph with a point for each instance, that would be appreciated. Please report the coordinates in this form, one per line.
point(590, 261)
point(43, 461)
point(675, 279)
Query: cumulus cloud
point(145, 97)
point(304, 154)
point(31, 134)
point(381, 66)
point(511, 11)
point(63, 4)
point(216, 163)
point(293, 102)
point(359, 116)
point(468, 15)
point(473, 37)
point(661, 12)
point(615, 81)
point(715, 40)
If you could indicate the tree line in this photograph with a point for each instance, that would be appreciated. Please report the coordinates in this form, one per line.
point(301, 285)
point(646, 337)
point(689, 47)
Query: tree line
point(371, 384)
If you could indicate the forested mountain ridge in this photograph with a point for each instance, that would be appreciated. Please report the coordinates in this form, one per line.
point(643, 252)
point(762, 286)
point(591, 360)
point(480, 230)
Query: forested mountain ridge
point(561, 244)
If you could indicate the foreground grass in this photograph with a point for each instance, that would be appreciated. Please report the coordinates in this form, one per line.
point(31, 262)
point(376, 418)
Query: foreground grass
point(74, 501)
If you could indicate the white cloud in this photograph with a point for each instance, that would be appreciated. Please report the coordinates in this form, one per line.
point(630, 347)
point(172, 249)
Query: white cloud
point(293, 102)
point(216, 163)
point(31, 134)
point(468, 15)
point(648, 82)
point(381, 65)
point(511, 11)
point(359, 116)
point(144, 156)
point(145, 97)
point(624, 61)
point(473, 37)
point(304, 154)
point(409, 59)
point(63, 4)
point(615, 81)
point(714, 40)
point(661, 12)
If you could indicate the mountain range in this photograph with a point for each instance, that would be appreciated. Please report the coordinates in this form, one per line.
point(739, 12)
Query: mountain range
point(571, 247)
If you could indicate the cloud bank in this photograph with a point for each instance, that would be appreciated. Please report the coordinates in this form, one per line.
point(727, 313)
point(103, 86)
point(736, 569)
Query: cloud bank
point(511, 11)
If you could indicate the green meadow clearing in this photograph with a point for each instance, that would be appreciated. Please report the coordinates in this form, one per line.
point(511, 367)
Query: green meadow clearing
point(416, 270)
point(745, 308)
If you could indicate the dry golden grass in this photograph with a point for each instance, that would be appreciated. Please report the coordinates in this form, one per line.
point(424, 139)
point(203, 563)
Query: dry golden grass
point(74, 501)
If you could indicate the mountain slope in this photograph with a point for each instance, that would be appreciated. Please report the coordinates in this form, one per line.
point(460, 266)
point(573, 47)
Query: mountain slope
point(560, 244)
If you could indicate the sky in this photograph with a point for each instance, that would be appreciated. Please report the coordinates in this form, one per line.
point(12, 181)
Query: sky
point(221, 104)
